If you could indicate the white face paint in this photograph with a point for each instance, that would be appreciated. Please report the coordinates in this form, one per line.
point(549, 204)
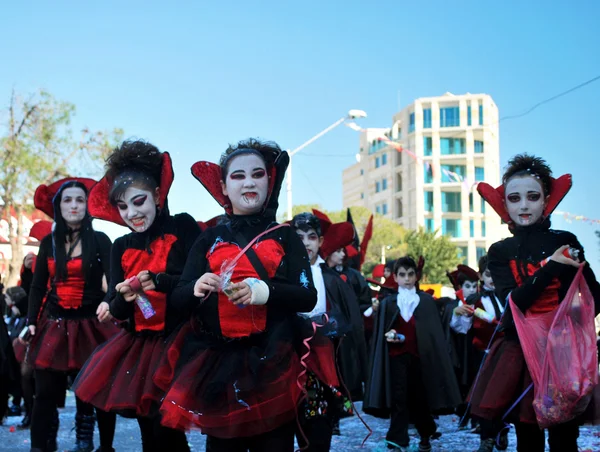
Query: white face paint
point(138, 208)
point(312, 242)
point(336, 258)
point(469, 288)
point(524, 199)
point(73, 205)
point(246, 184)
point(406, 277)
point(488, 282)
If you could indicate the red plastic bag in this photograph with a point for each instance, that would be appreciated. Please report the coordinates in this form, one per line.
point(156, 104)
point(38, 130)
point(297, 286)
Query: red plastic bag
point(561, 354)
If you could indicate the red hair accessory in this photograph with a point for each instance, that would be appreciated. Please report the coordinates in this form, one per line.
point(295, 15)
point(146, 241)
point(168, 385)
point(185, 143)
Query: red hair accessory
point(44, 194)
point(40, 230)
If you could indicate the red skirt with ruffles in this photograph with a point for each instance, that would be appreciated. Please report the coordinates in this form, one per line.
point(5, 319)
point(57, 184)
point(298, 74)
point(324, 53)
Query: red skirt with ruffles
point(66, 344)
point(230, 388)
point(504, 377)
point(118, 375)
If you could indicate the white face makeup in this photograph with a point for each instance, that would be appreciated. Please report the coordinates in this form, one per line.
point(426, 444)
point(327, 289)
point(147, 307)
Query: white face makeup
point(246, 184)
point(138, 208)
point(336, 258)
point(406, 277)
point(469, 288)
point(525, 200)
point(73, 205)
point(488, 282)
point(312, 242)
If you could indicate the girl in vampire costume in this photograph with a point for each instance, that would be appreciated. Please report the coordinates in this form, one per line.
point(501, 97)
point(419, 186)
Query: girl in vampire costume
point(237, 376)
point(145, 263)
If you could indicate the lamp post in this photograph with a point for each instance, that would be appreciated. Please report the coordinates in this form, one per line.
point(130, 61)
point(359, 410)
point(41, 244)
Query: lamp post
point(352, 114)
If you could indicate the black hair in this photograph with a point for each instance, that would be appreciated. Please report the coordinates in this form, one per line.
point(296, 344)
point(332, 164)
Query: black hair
point(62, 232)
point(306, 221)
point(529, 165)
point(483, 264)
point(16, 294)
point(406, 262)
point(390, 265)
point(133, 163)
point(266, 150)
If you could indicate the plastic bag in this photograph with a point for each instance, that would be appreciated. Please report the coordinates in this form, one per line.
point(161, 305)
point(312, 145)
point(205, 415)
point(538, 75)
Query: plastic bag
point(561, 354)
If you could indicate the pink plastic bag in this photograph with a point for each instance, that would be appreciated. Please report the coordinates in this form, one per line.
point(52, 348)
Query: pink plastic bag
point(561, 354)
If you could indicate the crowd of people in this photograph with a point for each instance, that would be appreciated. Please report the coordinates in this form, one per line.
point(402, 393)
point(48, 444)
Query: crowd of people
point(260, 334)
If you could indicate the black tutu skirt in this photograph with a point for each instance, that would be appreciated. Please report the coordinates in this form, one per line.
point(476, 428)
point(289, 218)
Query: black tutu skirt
point(66, 344)
point(231, 388)
point(119, 375)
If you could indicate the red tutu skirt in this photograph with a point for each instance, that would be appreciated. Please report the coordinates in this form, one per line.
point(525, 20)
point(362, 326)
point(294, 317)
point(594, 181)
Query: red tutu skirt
point(504, 377)
point(118, 375)
point(231, 388)
point(66, 344)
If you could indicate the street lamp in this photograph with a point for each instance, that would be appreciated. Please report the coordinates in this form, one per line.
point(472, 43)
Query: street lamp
point(352, 114)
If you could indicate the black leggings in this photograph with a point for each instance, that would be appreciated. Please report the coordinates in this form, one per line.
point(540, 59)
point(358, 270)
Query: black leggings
point(27, 386)
point(49, 390)
point(281, 440)
point(562, 438)
point(156, 438)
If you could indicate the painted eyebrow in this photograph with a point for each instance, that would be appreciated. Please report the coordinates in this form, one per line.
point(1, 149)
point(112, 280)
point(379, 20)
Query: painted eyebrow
point(137, 196)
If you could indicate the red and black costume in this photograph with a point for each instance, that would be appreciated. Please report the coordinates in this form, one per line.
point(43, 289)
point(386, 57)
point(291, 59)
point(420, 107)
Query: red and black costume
point(236, 370)
point(64, 313)
point(515, 265)
point(118, 376)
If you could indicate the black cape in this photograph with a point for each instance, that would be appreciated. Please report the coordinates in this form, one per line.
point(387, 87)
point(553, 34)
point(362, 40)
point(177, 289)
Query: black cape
point(352, 350)
point(359, 285)
point(442, 390)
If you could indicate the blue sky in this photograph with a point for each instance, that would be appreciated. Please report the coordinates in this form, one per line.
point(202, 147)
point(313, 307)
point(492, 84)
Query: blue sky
point(193, 76)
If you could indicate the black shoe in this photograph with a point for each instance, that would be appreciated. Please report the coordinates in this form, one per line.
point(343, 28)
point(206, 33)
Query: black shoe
point(84, 432)
point(424, 445)
point(13, 410)
point(25, 423)
point(486, 445)
point(502, 443)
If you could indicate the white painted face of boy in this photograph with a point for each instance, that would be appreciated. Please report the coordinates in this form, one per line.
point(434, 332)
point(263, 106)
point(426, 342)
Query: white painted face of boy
point(312, 242)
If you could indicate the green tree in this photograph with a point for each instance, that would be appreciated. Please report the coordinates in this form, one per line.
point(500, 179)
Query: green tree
point(37, 147)
point(439, 252)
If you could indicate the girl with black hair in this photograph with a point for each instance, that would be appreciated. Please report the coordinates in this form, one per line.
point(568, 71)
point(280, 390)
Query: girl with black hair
point(525, 200)
point(237, 373)
point(145, 268)
point(69, 280)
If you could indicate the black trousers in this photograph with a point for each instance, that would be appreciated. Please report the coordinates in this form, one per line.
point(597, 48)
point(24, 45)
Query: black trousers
point(409, 400)
point(27, 386)
point(281, 440)
point(562, 438)
point(318, 432)
point(49, 391)
point(156, 438)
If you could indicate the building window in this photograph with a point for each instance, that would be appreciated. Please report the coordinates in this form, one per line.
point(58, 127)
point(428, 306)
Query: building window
point(398, 182)
point(480, 252)
point(479, 174)
point(427, 146)
point(451, 202)
point(482, 205)
point(411, 123)
point(377, 187)
point(463, 254)
point(399, 208)
point(428, 174)
point(362, 196)
point(452, 146)
point(427, 118)
point(384, 209)
point(469, 115)
point(449, 117)
point(377, 164)
point(384, 184)
point(480, 115)
point(384, 159)
point(428, 201)
point(429, 225)
point(398, 158)
point(471, 202)
point(478, 147)
point(459, 170)
point(482, 228)
point(471, 228)
point(451, 227)
point(362, 172)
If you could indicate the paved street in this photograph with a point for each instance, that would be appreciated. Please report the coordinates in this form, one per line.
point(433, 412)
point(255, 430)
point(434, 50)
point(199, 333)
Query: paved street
point(353, 432)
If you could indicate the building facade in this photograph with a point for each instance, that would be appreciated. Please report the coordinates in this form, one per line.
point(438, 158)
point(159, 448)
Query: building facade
point(423, 171)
